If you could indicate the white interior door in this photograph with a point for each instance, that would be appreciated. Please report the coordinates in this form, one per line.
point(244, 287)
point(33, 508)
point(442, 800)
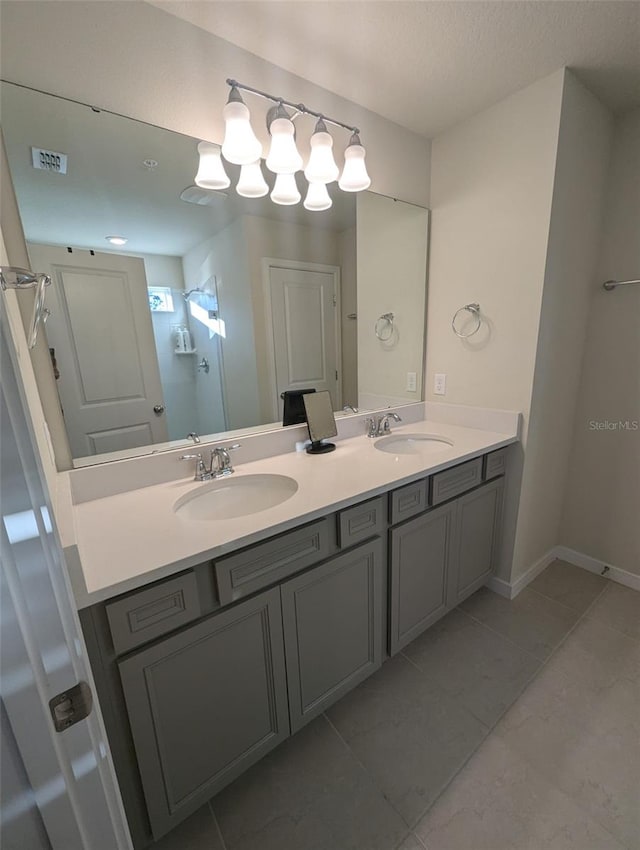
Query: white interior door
point(69, 788)
point(303, 319)
point(101, 330)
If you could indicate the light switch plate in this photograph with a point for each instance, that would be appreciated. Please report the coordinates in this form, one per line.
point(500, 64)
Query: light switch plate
point(412, 382)
point(440, 383)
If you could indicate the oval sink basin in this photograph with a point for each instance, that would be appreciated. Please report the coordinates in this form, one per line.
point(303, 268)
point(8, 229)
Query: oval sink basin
point(232, 497)
point(411, 444)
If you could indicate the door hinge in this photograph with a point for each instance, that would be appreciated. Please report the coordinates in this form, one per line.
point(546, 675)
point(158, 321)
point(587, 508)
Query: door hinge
point(335, 300)
point(336, 374)
point(71, 706)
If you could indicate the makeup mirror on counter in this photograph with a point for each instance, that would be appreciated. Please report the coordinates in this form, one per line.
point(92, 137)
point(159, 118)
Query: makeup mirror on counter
point(177, 310)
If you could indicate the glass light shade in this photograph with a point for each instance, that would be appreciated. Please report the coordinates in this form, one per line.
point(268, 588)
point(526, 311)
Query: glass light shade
point(211, 173)
point(240, 145)
point(252, 183)
point(283, 155)
point(354, 174)
point(321, 167)
point(317, 197)
point(285, 190)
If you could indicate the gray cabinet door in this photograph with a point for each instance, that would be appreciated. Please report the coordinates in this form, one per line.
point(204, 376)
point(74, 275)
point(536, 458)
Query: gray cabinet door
point(477, 526)
point(205, 704)
point(421, 558)
point(333, 629)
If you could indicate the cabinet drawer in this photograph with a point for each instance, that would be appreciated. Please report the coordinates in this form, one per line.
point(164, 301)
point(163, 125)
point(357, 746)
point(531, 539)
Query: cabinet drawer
point(452, 482)
point(409, 501)
point(245, 572)
point(361, 522)
point(495, 463)
point(152, 612)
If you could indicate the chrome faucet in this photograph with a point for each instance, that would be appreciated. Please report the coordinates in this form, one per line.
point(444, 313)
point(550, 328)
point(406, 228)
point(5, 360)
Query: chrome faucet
point(193, 436)
point(349, 407)
point(378, 426)
point(219, 463)
point(201, 471)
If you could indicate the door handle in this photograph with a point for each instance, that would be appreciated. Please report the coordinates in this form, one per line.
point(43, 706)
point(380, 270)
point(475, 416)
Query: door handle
point(158, 409)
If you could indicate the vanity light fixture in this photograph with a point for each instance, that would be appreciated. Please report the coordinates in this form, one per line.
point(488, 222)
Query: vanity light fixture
point(283, 156)
point(354, 175)
point(317, 197)
point(117, 240)
point(321, 167)
point(242, 147)
point(285, 190)
point(251, 183)
point(211, 173)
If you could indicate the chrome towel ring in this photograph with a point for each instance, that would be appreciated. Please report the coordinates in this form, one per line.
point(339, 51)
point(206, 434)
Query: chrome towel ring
point(384, 326)
point(474, 309)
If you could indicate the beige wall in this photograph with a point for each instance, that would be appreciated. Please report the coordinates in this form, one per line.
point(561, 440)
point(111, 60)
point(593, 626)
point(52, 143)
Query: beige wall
point(14, 253)
point(491, 193)
point(602, 502)
point(491, 190)
point(349, 306)
point(138, 60)
point(569, 280)
point(391, 256)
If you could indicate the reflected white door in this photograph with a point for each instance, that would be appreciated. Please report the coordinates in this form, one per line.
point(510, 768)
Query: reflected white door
point(101, 330)
point(303, 316)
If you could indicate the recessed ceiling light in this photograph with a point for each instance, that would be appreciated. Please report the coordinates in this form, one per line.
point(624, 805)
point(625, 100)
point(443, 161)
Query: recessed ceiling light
point(117, 240)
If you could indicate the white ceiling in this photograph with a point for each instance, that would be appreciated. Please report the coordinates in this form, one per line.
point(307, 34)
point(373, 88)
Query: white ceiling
point(429, 64)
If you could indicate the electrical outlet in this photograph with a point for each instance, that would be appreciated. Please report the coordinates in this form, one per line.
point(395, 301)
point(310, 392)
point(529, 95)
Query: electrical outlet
point(440, 383)
point(412, 382)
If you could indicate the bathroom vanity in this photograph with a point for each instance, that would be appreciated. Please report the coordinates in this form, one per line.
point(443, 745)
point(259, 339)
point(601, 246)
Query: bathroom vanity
point(201, 673)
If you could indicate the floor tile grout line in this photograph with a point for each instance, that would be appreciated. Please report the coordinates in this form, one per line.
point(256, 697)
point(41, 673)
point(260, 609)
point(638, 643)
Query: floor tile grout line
point(504, 637)
point(548, 598)
point(491, 729)
point(215, 820)
point(369, 774)
point(550, 781)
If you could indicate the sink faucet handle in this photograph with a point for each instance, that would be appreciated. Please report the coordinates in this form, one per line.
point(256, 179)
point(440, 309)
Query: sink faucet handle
point(193, 436)
point(221, 461)
point(371, 426)
point(201, 473)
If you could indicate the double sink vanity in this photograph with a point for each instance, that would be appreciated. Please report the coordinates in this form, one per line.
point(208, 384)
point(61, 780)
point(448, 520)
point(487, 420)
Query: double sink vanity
point(220, 617)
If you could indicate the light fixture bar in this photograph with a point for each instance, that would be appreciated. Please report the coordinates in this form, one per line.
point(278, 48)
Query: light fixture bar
point(300, 107)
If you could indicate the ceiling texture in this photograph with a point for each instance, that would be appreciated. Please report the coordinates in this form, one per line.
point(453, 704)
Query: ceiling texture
point(430, 64)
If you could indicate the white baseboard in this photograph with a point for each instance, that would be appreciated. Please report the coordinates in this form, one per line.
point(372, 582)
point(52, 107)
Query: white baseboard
point(511, 589)
point(593, 565)
point(500, 586)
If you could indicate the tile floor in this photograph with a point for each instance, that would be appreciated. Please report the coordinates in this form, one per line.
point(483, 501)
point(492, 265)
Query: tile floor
point(507, 726)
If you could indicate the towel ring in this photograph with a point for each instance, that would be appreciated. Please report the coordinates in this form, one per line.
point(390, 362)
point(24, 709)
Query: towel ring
point(384, 331)
point(474, 309)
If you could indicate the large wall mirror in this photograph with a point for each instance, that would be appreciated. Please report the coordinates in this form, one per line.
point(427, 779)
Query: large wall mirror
point(216, 304)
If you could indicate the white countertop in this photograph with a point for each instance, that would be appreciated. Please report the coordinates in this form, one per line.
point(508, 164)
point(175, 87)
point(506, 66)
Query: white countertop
point(127, 540)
